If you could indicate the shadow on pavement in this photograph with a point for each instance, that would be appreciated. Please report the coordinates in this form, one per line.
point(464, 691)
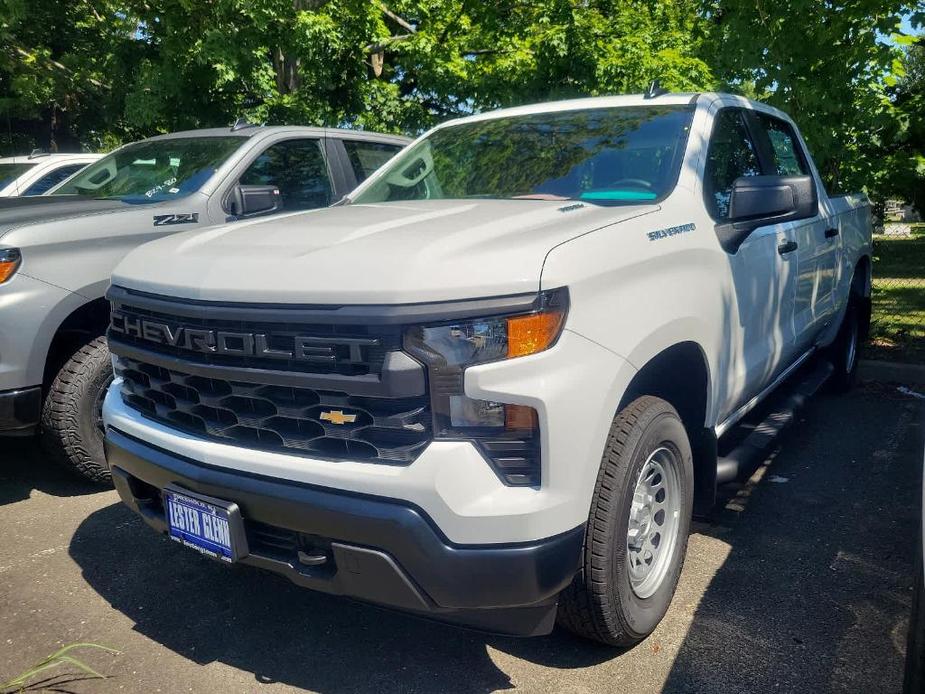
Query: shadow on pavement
point(813, 596)
point(260, 623)
point(815, 593)
point(24, 468)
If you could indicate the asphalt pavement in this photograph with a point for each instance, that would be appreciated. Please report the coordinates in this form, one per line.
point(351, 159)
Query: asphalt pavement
point(800, 583)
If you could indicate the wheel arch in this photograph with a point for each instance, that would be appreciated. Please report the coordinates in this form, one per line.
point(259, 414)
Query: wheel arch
point(87, 321)
point(680, 375)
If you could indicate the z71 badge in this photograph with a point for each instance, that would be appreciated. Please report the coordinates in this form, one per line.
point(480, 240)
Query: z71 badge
point(670, 231)
point(163, 220)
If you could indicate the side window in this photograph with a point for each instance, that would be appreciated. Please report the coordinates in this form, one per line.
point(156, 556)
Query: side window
point(298, 169)
point(731, 154)
point(784, 148)
point(52, 178)
point(366, 157)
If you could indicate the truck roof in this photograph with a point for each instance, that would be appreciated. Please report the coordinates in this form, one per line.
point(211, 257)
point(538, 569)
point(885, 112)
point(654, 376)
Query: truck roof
point(47, 156)
point(671, 98)
point(248, 131)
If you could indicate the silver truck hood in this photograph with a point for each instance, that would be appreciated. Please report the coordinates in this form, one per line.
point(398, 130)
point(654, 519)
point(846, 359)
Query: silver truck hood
point(401, 252)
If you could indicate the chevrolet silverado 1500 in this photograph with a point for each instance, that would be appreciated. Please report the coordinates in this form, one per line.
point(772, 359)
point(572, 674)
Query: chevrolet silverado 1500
point(488, 387)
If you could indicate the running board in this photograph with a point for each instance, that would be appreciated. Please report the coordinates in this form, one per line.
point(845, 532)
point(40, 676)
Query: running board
point(744, 458)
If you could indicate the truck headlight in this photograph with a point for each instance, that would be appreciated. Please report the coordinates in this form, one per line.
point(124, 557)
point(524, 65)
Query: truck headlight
point(507, 434)
point(10, 258)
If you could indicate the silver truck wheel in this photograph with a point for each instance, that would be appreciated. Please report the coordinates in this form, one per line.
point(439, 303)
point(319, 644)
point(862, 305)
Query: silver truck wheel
point(72, 427)
point(637, 529)
point(654, 519)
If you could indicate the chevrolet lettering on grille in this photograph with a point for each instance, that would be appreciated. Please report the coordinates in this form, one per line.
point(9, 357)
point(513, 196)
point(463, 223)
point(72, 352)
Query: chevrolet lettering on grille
point(241, 344)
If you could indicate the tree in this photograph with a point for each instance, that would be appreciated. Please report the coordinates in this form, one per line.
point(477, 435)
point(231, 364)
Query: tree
point(62, 70)
point(829, 65)
point(907, 155)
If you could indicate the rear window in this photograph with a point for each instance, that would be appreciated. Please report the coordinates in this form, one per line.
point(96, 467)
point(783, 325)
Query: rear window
point(365, 157)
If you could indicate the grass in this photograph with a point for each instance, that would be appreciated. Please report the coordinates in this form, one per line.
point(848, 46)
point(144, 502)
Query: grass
point(27, 682)
point(898, 324)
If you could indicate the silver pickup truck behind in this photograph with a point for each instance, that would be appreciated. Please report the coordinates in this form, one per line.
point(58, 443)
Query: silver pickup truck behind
point(495, 384)
point(57, 253)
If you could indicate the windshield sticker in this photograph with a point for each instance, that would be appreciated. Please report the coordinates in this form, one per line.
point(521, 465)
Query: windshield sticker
point(671, 231)
point(162, 220)
point(158, 188)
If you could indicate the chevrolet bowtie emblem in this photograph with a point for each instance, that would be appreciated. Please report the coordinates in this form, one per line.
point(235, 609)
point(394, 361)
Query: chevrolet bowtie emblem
point(338, 417)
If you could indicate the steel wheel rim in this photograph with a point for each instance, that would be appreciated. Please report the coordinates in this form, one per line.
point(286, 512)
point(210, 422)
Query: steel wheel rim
point(654, 518)
point(852, 349)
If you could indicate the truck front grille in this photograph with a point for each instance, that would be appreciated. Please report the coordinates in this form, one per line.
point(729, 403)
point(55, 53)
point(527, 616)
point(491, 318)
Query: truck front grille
point(303, 421)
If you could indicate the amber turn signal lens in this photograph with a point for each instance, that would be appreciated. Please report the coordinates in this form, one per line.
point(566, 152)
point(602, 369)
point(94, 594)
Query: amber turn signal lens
point(519, 418)
point(9, 261)
point(533, 333)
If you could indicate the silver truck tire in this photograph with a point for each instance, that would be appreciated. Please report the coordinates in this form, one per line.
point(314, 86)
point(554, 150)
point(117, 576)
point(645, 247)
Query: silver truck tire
point(71, 430)
point(637, 529)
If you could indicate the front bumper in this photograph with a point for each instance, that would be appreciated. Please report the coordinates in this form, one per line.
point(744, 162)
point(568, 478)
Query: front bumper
point(379, 550)
point(20, 410)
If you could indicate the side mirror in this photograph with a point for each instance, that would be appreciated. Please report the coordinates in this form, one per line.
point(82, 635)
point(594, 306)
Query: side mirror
point(252, 201)
point(757, 201)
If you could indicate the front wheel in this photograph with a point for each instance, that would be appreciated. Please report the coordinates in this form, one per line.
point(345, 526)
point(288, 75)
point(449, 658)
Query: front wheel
point(637, 530)
point(72, 424)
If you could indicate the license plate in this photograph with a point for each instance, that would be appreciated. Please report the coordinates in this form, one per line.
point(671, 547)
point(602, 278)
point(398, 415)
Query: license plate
point(209, 526)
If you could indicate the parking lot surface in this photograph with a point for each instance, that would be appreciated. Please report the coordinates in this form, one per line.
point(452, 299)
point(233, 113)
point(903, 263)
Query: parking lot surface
point(800, 583)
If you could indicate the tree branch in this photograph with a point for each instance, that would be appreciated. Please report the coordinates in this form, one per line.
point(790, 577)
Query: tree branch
point(407, 26)
point(64, 68)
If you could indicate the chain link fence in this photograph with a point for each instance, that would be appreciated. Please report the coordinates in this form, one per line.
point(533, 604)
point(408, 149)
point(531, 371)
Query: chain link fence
point(898, 294)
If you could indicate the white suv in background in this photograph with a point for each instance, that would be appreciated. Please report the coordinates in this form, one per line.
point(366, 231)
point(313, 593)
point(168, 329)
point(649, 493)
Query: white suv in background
point(39, 172)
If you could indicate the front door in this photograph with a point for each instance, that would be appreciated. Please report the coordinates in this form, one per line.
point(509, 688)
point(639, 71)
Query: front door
point(760, 330)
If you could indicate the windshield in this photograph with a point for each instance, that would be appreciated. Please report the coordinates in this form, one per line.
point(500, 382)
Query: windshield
point(153, 170)
point(623, 155)
point(9, 172)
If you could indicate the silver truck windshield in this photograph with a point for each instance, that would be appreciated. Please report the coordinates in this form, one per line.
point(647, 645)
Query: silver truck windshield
point(620, 155)
point(8, 172)
point(153, 170)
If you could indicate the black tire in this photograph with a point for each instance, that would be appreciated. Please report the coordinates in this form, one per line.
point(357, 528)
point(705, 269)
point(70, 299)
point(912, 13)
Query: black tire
point(601, 604)
point(843, 352)
point(71, 431)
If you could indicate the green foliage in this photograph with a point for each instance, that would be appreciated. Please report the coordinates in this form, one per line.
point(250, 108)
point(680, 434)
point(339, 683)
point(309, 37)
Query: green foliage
point(98, 72)
point(830, 66)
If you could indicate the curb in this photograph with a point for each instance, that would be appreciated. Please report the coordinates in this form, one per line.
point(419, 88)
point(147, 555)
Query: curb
point(891, 372)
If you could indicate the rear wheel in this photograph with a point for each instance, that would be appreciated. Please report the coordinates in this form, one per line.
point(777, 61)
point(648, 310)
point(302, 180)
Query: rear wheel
point(72, 415)
point(844, 351)
point(637, 530)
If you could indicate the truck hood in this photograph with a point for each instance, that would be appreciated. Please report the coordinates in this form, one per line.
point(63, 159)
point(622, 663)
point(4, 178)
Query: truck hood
point(390, 253)
point(17, 212)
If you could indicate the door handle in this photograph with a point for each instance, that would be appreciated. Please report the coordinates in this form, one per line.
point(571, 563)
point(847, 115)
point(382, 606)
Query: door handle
point(831, 233)
point(787, 247)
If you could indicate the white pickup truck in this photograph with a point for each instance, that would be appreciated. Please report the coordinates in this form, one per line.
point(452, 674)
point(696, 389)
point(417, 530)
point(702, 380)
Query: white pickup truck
point(488, 387)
